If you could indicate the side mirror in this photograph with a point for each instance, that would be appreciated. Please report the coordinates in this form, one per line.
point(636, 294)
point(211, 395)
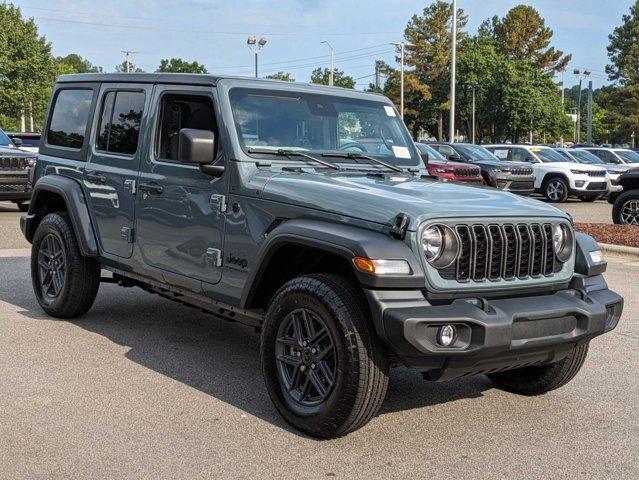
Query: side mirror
point(17, 141)
point(198, 147)
point(454, 157)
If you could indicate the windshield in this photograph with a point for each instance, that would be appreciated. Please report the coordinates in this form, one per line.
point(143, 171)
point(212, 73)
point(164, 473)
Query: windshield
point(315, 123)
point(548, 155)
point(4, 140)
point(475, 153)
point(584, 156)
point(628, 156)
point(432, 153)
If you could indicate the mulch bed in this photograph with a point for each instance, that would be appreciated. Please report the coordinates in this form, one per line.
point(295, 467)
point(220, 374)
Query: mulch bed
point(627, 235)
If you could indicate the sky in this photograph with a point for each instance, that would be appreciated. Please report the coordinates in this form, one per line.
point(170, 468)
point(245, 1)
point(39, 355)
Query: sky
point(214, 32)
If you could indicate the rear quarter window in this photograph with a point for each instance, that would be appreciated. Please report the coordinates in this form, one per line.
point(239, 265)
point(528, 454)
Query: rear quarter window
point(69, 119)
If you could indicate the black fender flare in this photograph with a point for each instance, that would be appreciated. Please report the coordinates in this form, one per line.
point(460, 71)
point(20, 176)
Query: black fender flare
point(345, 241)
point(71, 192)
point(584, 264)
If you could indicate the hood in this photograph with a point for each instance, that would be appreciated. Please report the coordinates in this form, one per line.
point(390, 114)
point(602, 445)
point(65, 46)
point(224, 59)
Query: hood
point(379, 199)
point(14, 152)
point(502, 164)
point(571, 165)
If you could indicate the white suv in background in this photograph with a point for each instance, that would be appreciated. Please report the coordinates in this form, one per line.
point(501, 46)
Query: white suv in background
point(616, 156)
point(556, 178)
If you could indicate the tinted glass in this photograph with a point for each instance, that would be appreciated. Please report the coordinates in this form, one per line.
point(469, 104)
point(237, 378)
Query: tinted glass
point(5, 141)
point(520, 155)
point(628, 156)
point(475, 152)
point(69, 119)
point(547, 155)
point(178, 112)
point(432, 153)
point(120, 122)
point(566, 155)
point(584, 156)
point(315, 123)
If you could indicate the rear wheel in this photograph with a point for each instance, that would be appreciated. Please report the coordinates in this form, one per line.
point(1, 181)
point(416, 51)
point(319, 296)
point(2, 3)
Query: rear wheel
point(65, 282)
point(556, 190)
point(626, 209)
point(324, 368)
point(544, 378)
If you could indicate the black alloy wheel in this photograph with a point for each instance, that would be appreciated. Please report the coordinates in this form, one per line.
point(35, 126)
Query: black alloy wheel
point(51, 267)
point(306, 357)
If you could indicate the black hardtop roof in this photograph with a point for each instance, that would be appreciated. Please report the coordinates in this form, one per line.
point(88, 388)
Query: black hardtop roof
point(191, 79)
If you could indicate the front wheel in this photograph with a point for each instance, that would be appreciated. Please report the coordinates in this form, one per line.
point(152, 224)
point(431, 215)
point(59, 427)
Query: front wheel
point(65, 283)
point(324, 368)
point(626, 209)
point(544, 378)
point(556, 190)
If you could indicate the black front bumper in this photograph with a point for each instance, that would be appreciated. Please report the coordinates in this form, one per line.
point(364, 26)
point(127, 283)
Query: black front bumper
point(493, 334)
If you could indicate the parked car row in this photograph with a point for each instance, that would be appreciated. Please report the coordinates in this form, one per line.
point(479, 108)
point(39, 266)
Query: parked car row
point(15, 166)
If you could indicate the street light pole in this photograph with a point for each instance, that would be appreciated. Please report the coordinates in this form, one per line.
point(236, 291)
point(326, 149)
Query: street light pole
point(127, 63)
point(402, 46)
point(473, 129)
point(255, 46)
point(453, 74)
point(330, 74)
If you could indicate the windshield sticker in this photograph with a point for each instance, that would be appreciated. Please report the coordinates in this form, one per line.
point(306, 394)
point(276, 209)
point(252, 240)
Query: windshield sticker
point(401, 152)
point(389, 111)
point(501, 154)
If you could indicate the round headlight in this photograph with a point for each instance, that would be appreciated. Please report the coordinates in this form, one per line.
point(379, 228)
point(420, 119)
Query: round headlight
point(562, 242)
point(432, 242)
point(440, 245)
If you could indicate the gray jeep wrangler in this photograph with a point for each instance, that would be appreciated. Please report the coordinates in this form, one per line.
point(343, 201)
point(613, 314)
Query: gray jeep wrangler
point(306, 212)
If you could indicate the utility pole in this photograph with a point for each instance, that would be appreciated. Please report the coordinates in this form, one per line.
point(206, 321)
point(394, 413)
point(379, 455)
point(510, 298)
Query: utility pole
point(589, 130)
point(332, 71)
point(255, 46)
point(127, 63)
point(453, 74)
point(473, 129)
point(402, 46)
point(377, 75)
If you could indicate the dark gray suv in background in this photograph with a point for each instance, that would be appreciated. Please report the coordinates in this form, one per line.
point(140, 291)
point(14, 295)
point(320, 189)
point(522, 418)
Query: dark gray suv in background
point(307, 213)
point(14, 173)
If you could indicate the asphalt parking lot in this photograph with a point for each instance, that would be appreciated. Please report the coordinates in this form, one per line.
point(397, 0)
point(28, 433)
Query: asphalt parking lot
point(143, 388)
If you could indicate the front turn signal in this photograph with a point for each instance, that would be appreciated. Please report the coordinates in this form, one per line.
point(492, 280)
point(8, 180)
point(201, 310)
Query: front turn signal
point(382, 267)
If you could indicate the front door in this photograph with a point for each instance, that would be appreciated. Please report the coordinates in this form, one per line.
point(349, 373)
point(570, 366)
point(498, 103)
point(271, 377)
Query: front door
point(181, 211)
point(112, 167)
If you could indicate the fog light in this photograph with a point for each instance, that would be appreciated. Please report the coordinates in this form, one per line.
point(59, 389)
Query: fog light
point(579, 183)
point(447, 335)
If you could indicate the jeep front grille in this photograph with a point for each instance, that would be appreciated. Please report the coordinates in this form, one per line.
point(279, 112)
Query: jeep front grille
point(12, 163)
point(600, 173)
point(503, 252)
point(522, 171)
point(465, 172)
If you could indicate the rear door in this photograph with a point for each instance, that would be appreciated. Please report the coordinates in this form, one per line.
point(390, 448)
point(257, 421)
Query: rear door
point(114, 158)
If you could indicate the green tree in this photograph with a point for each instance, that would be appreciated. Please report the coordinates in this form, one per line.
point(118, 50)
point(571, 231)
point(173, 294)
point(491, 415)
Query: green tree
point(77, 64)
point(27, 68)
point(340, 79)
point(284, 76)
point(177, 65)
point(523, 35)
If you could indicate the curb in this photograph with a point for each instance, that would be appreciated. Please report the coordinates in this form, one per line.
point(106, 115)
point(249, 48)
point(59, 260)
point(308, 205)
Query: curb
point(620, 251)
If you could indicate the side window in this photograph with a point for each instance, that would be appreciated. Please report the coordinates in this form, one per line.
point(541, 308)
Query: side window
point(178, 112)
point(520, 155)
point(445, 150)
point(120, 120)
point(69, 118)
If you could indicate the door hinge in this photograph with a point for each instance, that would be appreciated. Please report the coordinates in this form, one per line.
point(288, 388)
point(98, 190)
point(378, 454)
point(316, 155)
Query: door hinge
point(127, 233)
point(214, 256)
point(218, 202)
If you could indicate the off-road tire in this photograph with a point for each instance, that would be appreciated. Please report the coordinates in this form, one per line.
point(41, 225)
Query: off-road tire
point(81, 274)
point(547, 194)
point(619, 204)
point(361, 377)
point(537, 380)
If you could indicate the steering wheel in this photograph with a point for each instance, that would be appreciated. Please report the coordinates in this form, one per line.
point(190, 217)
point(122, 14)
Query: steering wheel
point(352, 145)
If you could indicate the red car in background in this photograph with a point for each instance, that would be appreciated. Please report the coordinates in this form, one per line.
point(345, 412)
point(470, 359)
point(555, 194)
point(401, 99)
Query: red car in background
point(440, 167)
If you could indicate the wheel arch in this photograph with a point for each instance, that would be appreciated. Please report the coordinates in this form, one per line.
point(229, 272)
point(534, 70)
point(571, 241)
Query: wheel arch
point(55, 193)
point(551, 175)
point(299, 247)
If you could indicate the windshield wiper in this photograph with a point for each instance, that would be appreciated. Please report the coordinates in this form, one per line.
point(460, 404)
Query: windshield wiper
point(294, 153)
point(356, 156)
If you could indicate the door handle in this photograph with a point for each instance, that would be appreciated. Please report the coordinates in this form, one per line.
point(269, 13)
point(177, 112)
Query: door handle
point(95, 177)
point(151, 188)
